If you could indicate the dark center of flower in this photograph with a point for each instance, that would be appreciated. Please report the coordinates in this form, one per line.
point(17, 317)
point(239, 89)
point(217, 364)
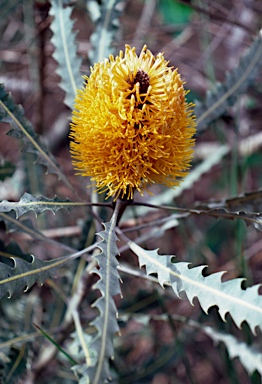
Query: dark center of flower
point(142, 78)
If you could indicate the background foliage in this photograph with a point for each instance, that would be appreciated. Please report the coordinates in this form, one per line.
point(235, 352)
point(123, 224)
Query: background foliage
point(62, 330)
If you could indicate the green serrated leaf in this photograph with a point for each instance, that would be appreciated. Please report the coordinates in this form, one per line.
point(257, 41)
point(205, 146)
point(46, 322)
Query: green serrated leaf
point(65, 50)
point(237, 81)
point(243, 305)
point(96, 366)
point(106, 19)
point(21, 128)
point(37, 204)
point(22, 275)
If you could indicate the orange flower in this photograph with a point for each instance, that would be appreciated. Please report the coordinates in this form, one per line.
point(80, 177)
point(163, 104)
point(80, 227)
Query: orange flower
point(132, 126)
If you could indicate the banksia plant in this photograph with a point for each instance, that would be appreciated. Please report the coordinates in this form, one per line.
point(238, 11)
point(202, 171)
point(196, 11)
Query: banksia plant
point(132, 126)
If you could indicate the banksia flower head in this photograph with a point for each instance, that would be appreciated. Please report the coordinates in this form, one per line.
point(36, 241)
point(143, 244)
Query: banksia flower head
point(132, 126)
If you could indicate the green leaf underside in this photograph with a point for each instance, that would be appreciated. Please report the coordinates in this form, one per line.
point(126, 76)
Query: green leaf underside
point(21, 128)
point(37, 204)
point(24, 274)
point(243, 305)
point(65, 52)
point(237, 82)
point(101, 346)
point(105, 17)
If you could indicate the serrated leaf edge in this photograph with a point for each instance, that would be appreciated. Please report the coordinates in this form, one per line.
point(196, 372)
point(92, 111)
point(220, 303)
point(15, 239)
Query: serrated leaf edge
point(145, 254)
point(50, 265)
point(61, 15)
point(107, 295)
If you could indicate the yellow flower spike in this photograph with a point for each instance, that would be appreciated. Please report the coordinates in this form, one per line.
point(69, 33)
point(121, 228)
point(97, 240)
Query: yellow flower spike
point(132, 126)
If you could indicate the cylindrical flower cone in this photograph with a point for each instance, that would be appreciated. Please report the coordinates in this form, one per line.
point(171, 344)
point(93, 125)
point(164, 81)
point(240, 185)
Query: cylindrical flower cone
point(132, 126)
